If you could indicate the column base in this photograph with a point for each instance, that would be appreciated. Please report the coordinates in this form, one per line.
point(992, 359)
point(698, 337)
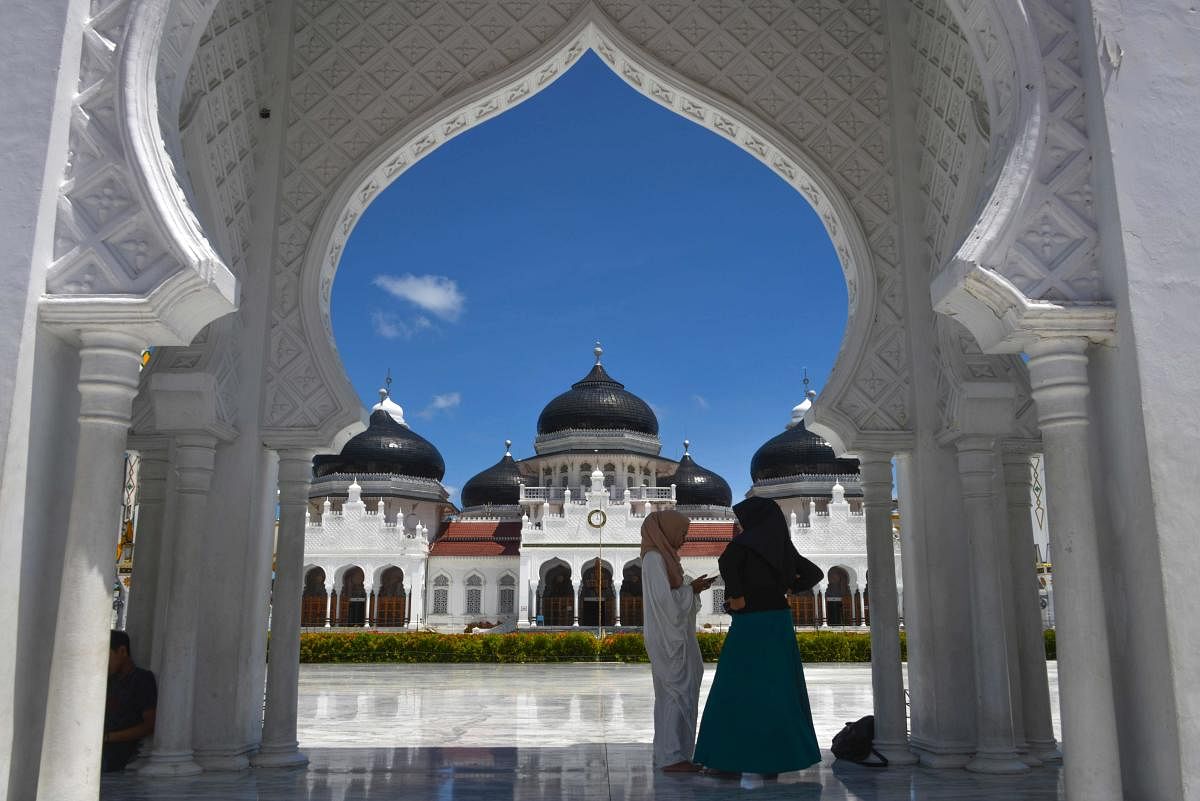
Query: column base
point(287, 756)
point(996, 764)
point(227, 761)
point(897, 753)
point(1046, 751)
point(942, 761)
point(1029, 758)
point(166, 765)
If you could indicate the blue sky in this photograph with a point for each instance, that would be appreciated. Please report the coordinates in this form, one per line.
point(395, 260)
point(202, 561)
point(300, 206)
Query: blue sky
point(484, 274)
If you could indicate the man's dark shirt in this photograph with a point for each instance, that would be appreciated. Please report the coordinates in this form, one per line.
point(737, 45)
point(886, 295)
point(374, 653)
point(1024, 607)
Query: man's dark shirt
point(129, 696)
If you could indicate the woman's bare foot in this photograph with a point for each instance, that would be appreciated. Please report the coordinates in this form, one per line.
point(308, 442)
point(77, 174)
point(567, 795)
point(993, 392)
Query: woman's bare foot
point(682, 767)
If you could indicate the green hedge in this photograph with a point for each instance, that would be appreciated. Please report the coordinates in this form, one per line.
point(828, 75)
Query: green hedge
point(426, 647)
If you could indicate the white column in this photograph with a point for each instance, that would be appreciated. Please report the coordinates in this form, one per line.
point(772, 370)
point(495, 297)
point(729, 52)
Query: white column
point(368, 588)
point(1092, 763)
point(279, 746)
point(887, 681)
point(995, 750)
point(71, 738)
point(617, 599)
point(328, 604)
point(1031, 645)
point(172, 752)
point(143, 592)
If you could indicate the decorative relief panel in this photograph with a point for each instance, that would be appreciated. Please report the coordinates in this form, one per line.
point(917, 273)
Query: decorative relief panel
point(812, 71)
point(124, 226)
point(1054, 258)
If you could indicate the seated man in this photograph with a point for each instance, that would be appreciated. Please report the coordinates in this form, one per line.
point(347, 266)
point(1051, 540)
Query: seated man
point(132, 698)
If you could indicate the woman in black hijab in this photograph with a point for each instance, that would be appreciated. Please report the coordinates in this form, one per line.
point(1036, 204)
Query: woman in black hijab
point(757, 718)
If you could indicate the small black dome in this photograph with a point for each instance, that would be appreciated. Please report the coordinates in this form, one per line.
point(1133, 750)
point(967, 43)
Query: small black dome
point(598, 403)
point(499, 485)
point(798, 452)
point(385, 447)
point(698, 486)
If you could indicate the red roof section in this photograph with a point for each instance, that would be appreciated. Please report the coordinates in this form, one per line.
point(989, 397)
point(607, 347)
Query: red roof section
point(478, 538)
point(707, 539)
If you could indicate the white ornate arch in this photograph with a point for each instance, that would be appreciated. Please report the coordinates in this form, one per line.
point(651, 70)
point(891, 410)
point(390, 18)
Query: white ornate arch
point(149, 265)
point(590, 31)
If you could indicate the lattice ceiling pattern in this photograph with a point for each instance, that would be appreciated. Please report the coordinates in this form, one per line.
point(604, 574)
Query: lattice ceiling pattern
point(219, 112)
point(813, 70)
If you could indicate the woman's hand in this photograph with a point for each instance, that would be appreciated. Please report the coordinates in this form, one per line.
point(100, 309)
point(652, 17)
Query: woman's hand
point(703, 583)
point(736, 604)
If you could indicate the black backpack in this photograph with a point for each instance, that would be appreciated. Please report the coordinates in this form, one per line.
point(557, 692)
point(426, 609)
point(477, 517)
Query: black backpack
point(854, 743)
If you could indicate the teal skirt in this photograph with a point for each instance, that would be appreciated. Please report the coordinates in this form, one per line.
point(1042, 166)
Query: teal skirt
point(757, 718)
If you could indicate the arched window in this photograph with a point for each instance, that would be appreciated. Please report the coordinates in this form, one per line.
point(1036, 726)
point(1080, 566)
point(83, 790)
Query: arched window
point(474, 595)
point(441, 595)
point(718, 597)
point(313, 605)
point(508, 595)
point(390, 598)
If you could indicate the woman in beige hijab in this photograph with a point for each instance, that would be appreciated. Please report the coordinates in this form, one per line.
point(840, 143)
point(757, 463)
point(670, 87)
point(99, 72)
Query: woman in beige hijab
point(670, 631)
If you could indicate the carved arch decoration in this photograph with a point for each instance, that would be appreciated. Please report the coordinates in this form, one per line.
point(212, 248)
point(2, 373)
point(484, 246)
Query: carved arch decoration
point(1027, 268)
point(862, 249)
point(128, 249)
point(142, 48)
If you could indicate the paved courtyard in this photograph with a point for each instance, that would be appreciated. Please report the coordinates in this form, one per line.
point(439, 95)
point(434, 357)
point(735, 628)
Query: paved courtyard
point(514, 732)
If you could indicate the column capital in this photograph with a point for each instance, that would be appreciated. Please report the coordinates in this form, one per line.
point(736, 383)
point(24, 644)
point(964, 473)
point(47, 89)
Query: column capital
point(1017, 478)
point(1059, 380)
point(875, 471)
point(109, 365)
point(976, 465)
point(295, 474)
point(195, 454)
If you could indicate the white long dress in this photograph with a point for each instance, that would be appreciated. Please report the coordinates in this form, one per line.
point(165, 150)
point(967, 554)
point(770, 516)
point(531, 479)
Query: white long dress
point(675, 662)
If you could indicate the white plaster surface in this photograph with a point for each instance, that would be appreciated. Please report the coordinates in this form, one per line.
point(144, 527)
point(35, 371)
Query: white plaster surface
point(576, 731)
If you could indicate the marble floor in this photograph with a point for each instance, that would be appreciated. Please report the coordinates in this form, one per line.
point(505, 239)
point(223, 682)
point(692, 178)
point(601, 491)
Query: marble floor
point(509, 732)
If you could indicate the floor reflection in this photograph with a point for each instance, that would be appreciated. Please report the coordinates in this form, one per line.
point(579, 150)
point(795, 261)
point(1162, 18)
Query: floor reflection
point(540, 732)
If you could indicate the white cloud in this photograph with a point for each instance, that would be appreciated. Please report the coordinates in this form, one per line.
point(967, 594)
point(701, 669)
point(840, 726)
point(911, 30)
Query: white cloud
point(390, 326)
point(441, 403)
point(701, 402)
point(436, 294)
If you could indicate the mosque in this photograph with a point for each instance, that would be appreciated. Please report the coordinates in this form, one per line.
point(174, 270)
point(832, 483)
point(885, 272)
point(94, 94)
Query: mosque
point(553, 540)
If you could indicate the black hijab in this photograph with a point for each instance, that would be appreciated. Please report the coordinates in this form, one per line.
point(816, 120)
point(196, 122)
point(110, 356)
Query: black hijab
point(765, 531)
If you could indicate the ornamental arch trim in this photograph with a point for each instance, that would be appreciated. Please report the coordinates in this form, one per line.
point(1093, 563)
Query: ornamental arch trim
point(592, 31)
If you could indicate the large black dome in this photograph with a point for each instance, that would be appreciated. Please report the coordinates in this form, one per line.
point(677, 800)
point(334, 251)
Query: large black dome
point(698, 486)
point(385, 447)
point(598, 403)
point(499, 485)
point(798, 452)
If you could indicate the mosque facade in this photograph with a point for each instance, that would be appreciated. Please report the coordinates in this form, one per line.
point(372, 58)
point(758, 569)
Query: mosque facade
point(553, 540)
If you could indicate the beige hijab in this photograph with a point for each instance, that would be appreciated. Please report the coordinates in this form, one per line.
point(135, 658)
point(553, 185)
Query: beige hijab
point(664, 532)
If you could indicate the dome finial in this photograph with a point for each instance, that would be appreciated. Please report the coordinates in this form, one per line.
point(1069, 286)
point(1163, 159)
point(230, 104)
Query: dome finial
point(507, 447)
point(598, 351)
point(686, 444)
point(808, 393)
